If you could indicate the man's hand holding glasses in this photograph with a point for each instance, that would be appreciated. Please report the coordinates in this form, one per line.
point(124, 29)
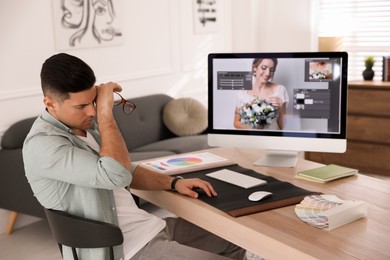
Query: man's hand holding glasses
point(127, 106)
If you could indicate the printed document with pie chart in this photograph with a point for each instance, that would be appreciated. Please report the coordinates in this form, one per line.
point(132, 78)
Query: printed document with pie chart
point(186, 163)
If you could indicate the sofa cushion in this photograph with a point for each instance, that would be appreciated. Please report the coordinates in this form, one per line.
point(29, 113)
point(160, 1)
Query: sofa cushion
point(144, 125)
point(183, 144)
point(14, 136)
point(185, 116)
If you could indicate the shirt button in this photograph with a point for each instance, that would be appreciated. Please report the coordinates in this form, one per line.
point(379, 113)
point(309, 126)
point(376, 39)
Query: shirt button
point(113, 208)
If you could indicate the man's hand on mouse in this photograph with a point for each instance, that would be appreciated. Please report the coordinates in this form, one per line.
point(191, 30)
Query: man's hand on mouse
point(186, 186)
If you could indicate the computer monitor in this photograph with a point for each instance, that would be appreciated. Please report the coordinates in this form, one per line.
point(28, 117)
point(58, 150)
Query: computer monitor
point(285, 103)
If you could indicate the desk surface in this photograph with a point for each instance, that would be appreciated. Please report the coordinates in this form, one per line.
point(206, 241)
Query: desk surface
point(278, 233)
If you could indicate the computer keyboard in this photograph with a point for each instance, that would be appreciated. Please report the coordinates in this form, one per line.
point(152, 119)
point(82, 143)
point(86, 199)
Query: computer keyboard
point(236, 178)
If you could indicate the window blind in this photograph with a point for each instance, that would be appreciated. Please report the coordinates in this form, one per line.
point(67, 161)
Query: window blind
point(365, 28)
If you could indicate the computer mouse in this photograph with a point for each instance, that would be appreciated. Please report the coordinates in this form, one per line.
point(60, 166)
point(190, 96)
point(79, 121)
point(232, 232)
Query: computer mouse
point(259, 195)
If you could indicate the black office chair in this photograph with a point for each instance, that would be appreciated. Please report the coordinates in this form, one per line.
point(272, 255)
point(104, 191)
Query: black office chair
point(79, 232)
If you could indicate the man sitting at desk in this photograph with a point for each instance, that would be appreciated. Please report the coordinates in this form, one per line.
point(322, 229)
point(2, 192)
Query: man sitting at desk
point(78, 165)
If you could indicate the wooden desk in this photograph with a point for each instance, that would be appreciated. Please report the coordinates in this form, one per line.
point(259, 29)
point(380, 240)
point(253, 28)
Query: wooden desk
point(279, 234)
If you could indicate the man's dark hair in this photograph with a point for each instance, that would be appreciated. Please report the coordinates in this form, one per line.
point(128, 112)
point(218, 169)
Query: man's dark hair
point(62, 74)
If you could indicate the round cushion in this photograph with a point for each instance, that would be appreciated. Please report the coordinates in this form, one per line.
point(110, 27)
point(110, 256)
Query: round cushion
point(185, 116)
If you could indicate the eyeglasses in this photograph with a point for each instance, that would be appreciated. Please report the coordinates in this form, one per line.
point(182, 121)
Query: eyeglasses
point(127, 106)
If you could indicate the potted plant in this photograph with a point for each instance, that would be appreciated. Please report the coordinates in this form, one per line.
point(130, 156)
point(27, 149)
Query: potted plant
point(368, 73)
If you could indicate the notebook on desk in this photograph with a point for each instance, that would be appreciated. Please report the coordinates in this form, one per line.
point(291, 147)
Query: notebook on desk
point(326, 173)
point(234, 200)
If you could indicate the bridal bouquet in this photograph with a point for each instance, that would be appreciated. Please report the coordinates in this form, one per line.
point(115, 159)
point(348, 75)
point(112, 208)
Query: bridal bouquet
point(257, 114)
point(318, 75)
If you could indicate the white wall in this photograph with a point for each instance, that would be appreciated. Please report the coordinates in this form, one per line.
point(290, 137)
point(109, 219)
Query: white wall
point(160, 54)
point(273, 25)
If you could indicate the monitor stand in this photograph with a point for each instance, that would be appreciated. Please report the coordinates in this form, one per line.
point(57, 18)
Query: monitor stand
point(274, 158)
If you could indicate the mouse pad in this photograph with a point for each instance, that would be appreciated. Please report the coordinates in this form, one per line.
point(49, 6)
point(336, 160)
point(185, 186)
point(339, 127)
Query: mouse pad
point(234, 200)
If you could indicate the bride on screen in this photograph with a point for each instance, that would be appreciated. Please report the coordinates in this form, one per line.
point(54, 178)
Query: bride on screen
point(264, 106)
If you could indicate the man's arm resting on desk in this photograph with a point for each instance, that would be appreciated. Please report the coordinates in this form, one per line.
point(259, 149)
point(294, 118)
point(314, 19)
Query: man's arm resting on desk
point(144, 179)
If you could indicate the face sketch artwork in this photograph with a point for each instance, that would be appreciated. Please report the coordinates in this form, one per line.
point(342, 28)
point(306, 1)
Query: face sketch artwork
point(92, 20)
point(103, 16)
point(73, 13)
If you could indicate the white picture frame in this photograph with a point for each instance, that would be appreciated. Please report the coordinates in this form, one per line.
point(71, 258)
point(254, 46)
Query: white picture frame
point(205, 14)
point(87, 23)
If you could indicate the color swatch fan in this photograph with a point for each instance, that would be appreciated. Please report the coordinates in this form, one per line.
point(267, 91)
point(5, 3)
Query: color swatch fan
point(329, 211)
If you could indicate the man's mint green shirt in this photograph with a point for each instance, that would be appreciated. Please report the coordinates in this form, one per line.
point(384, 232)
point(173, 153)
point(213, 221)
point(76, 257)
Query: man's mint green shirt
point(66, 174)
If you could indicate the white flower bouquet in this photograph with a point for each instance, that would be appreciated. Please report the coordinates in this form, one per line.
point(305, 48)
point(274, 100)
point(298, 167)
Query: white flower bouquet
point(257, 114)
point(318, 75)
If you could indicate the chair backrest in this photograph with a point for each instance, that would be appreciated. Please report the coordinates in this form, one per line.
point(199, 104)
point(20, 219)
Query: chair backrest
point(78, 232)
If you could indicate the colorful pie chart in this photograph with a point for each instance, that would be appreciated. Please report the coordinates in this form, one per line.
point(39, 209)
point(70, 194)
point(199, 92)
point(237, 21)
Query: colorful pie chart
point(184, 161)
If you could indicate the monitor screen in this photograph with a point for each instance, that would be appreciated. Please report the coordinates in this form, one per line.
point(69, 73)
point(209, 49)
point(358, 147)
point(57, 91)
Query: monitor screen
point(284, 103)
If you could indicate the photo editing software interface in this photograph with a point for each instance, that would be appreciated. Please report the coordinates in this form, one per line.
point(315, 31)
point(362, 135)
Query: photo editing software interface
point(310, 86)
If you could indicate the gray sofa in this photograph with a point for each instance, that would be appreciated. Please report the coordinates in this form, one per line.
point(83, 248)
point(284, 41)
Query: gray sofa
point(144, 132)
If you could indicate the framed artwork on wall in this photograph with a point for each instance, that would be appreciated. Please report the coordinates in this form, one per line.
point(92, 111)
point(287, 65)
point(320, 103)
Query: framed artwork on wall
point(87, 23)
point(205, 16)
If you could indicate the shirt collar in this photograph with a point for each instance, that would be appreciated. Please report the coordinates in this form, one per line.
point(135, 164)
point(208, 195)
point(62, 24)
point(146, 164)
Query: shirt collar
point(52, 120)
